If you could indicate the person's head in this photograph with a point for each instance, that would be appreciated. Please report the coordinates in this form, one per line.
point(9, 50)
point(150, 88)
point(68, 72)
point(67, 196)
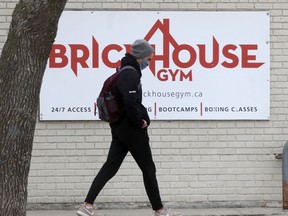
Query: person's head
point(143, 52)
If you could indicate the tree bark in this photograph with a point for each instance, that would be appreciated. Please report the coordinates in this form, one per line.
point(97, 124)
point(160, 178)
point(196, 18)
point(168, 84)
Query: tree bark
point(22, 65)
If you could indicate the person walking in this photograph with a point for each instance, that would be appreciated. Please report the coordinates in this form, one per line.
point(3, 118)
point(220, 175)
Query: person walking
point(129, 133)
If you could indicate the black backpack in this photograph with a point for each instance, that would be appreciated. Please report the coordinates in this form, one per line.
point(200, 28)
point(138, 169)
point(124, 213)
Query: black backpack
point(109, 109)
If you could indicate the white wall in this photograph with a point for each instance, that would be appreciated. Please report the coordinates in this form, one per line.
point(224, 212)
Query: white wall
point(199, 163)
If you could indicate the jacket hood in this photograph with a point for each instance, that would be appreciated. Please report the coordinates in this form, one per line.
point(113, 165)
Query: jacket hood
point(130, 60)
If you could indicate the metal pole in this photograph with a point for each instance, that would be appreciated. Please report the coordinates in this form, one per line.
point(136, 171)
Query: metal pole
point(285, 175)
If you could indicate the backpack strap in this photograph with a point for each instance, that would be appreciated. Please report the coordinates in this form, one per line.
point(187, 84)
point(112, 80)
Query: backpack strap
point(117, 74)
point(124, 68)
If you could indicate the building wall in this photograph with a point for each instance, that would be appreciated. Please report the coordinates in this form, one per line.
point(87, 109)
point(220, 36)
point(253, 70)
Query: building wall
point(199, 163)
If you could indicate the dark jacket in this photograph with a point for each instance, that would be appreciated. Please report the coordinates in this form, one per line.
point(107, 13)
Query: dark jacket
point(130, 92)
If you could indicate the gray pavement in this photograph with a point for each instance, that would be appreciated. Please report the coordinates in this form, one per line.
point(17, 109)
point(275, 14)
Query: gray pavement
point(185, 212)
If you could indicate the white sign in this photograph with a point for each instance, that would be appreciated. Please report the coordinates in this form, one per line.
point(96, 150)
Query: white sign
point(207, 65)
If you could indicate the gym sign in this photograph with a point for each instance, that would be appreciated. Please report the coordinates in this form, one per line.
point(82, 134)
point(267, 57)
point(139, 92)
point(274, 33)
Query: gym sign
point(201, 69)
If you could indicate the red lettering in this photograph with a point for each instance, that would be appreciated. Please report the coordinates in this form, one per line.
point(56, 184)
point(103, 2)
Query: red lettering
point(173, 74)
point(246, 57)
point(167, 39)
point(58, 52)
point(234, 58)
point(95, 55)
point(105, 55)
point(161, 75)
point(128, 48)
point(75, 59)
point(186, 76)
point(80, 54)
point(190, 50)
point(215, 55)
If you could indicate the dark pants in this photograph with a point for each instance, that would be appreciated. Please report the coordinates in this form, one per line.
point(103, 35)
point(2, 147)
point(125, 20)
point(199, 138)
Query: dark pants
point(126, 138)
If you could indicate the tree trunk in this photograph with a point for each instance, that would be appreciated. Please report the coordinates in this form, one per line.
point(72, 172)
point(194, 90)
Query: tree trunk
point(22, 65)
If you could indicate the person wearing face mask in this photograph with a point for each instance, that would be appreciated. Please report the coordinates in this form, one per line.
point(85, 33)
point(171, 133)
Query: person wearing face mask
point(129, 133)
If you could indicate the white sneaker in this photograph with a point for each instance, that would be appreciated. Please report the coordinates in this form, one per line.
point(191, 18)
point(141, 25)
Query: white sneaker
point(84, 211)
point(167, 212)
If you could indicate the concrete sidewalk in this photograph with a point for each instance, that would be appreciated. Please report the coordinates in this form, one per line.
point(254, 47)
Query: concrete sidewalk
point(185, 212)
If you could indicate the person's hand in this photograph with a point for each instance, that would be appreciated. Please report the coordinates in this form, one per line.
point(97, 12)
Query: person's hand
point(144, 124)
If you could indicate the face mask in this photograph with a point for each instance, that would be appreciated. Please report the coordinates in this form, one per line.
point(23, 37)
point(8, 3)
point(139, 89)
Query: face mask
point(143, 64)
